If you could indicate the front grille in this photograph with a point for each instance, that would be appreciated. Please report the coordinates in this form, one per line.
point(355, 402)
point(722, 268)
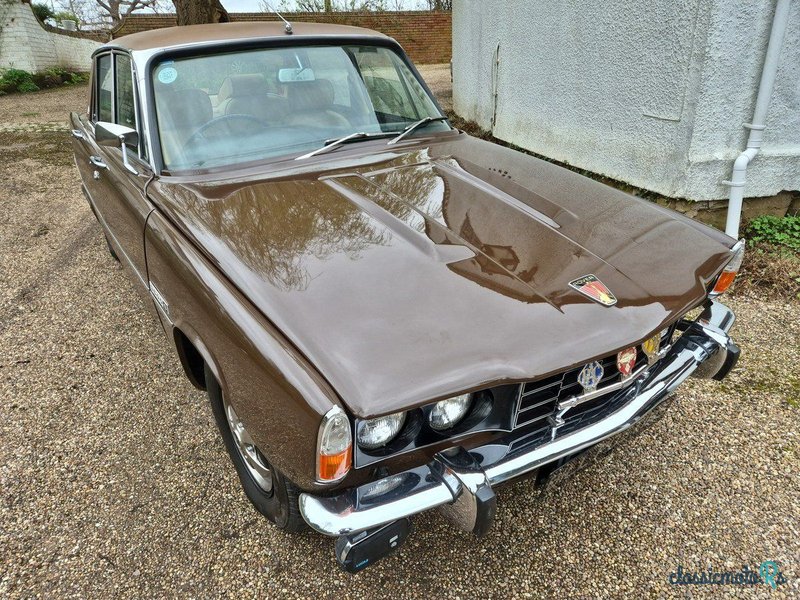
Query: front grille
point(538, 398)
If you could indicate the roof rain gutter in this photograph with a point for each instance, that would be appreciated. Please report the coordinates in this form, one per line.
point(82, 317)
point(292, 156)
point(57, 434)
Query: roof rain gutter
point(756, 136)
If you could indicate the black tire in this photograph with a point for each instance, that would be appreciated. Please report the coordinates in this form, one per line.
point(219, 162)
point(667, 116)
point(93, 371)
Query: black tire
point(280, 505)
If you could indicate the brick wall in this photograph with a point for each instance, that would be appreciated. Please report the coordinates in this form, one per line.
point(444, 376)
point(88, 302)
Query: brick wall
point(425, 36)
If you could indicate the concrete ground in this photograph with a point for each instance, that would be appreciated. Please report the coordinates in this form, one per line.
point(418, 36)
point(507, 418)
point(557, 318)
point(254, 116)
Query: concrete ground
point(113, 479)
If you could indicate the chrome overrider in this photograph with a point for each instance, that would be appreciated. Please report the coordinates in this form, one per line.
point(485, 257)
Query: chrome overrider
point(461, 482)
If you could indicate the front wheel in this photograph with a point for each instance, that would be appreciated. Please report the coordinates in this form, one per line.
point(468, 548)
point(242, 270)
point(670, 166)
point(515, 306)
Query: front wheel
point(273, 495)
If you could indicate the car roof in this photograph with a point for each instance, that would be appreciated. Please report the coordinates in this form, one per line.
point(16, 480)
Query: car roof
point(187, 35)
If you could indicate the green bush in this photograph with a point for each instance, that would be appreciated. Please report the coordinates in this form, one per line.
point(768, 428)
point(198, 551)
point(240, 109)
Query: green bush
point(76, 78)
point(778, 231)
point(17, 80)
point(67, 16)
point(27, 86)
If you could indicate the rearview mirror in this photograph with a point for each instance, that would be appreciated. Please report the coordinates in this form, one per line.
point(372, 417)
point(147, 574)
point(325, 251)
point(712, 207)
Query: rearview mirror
point(292, 75)
point(117, 136)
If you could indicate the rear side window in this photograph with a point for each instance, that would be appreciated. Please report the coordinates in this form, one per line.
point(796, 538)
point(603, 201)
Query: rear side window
point(105, 90)
point(126, 112)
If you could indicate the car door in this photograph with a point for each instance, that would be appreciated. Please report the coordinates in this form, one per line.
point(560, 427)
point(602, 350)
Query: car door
point(117, 195)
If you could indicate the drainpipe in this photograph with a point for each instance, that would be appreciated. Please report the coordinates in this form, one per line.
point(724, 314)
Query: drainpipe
point(756, 128)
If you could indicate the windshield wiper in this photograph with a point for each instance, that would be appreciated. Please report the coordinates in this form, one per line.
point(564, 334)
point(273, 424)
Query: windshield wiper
point(335, 143)
point(413, 127)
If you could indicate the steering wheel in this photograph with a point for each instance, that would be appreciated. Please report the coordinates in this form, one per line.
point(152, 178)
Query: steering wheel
point(200, 132)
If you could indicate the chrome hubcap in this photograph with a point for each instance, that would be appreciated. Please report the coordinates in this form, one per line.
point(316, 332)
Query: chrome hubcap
point(256, 464)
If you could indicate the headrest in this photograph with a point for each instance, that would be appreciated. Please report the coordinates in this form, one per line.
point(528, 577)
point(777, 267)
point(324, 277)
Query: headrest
point(307, 95)
point(236, 86)
point(186, 107)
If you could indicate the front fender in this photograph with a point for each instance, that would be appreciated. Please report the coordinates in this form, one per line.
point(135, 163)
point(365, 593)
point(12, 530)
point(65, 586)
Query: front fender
point(277, 393)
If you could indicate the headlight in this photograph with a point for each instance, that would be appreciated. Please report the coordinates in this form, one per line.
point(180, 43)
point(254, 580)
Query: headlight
point(374, 433)
point(446, 413)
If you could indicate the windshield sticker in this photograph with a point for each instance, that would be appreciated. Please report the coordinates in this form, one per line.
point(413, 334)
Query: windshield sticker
point(167, 75)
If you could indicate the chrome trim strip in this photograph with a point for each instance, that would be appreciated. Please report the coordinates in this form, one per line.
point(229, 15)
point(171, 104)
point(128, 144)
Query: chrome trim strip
point(440, 482)
point(558, 381)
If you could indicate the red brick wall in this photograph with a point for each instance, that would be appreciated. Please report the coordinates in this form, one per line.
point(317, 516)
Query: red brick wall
point(425, 36)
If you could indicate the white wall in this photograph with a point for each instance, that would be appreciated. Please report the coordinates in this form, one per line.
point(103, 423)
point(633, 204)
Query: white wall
point(24, 44)
point(648, 92)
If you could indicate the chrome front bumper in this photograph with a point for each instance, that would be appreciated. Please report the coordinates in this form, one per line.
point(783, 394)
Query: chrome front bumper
point(461, 482)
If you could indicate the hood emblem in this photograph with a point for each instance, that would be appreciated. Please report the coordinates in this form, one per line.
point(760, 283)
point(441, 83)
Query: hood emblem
point(592, 287)
point(590, 376)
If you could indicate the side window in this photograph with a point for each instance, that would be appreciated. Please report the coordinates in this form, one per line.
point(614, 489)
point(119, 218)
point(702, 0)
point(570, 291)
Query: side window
point(126, 111)
point(105, 90)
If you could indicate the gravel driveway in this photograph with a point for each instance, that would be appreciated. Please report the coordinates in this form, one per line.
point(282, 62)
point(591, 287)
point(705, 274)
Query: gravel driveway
point(114, 481)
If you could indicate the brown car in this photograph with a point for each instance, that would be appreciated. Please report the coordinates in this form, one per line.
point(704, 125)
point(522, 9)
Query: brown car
point(388, 314)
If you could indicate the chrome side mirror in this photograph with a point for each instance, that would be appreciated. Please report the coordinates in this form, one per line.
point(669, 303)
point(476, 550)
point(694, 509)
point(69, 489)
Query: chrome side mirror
point(117, 136)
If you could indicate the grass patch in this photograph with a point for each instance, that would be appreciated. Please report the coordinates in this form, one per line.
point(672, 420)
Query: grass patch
point(53, 148)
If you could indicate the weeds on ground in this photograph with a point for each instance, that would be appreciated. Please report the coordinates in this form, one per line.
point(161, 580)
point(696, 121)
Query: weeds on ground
point(772, 260)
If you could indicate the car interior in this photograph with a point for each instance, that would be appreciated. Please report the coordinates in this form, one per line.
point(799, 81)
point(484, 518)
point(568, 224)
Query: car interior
point(280, 99)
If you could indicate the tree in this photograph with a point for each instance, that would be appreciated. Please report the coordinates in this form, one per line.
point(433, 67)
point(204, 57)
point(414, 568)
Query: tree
point(105, 14)
point(118, 10)
point(318, 6)
point(440, 5)
point(193, 12)
point(42, 12)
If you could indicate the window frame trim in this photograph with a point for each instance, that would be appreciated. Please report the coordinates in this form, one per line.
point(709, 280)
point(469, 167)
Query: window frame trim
point(139, 121)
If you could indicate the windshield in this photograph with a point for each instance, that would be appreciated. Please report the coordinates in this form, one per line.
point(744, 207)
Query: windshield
point(224, 109)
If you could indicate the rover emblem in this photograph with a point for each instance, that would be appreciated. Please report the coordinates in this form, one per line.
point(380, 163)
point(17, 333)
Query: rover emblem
point(591, 286)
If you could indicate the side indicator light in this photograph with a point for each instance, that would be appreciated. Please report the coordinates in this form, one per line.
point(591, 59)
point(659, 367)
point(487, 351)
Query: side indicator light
point(334, 446)
point(333, 467)
point(728, 274)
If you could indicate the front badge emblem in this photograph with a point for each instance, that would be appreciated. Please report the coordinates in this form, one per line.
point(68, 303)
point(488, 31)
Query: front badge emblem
point(590, 375)
point(591, 286)
point(651, 346)
point(626, 361)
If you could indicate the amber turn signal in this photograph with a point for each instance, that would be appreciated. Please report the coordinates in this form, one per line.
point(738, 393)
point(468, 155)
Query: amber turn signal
point(334, 447)
point(728, 274)
point(335, 466)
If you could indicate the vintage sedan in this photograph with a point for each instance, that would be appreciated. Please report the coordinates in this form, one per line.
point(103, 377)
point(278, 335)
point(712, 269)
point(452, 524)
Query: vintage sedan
point(388, 315)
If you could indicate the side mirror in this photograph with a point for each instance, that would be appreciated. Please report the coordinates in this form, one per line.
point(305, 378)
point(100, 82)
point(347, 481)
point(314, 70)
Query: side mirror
point(117, 136)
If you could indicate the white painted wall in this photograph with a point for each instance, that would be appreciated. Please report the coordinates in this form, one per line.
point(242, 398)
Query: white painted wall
point(24, 44)
point(644, 91)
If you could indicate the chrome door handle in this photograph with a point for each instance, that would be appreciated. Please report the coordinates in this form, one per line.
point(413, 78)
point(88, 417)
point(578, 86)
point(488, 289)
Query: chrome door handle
point(98, 162)
point(77, 133)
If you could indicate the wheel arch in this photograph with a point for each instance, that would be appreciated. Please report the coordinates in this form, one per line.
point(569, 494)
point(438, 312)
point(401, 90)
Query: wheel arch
point(192, 360)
